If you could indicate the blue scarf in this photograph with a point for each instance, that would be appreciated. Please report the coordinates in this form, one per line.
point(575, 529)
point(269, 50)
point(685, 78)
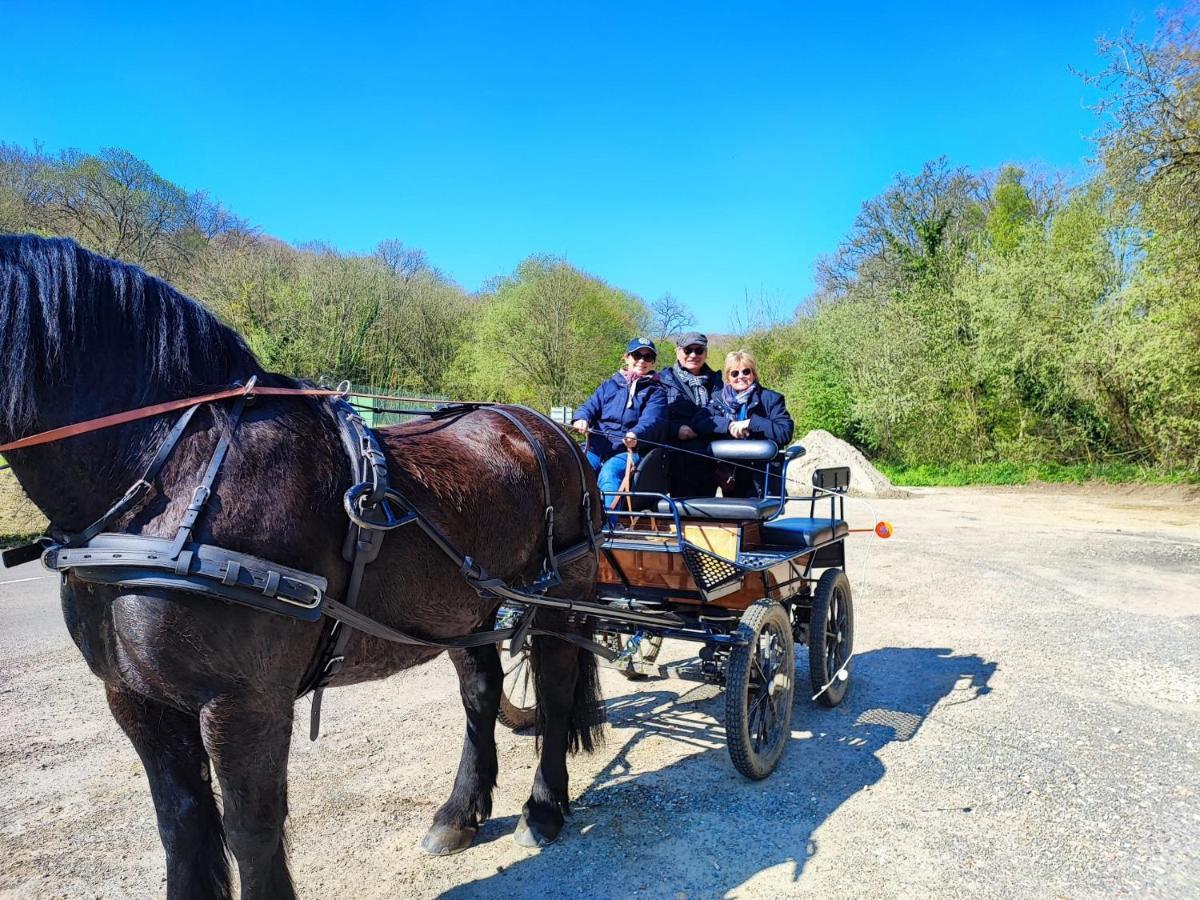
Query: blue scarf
point(741, 402)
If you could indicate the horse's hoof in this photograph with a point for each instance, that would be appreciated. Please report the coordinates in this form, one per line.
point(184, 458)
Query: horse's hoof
point(442, 840)
point(529, 834)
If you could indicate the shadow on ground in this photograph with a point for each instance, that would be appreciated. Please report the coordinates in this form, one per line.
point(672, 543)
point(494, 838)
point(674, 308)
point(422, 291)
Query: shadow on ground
point(697, 822)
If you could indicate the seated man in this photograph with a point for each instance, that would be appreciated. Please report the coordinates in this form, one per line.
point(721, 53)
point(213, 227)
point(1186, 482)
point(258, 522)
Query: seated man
point(690, 384)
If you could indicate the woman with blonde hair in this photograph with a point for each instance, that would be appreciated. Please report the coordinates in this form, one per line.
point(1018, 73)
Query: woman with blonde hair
point(744, 409)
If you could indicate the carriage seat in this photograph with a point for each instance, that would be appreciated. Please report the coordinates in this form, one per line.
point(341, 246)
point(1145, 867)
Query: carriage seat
point(728, 509)
point(803, 532)
point(744, 450)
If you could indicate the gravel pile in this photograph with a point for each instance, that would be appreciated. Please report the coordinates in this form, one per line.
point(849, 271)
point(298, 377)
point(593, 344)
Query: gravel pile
point(823, 451)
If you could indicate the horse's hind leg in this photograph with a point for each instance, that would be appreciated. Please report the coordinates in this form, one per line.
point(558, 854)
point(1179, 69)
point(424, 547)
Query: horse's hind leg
point(570, 715)
point(480, 680)
point(248, 739)
point(168, 742)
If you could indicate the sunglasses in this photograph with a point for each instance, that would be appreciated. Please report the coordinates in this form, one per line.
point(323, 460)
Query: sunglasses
point(644, 354)
point(738, 373)
point(694, 351)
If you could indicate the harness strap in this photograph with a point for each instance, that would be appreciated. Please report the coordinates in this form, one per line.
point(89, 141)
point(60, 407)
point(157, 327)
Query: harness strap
point(204, 489)
point(133, 497)
point(367, 625)
point(138, 491)
point(551, 564)
point(364, 539)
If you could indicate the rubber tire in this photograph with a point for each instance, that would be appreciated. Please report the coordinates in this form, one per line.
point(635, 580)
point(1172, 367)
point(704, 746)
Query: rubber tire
point(617, 642)
point(762, 614)
point(833, 582)
point(515, 717)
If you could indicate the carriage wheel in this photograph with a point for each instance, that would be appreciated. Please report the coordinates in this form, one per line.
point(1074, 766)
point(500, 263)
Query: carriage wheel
point(759, 689)
point(643, 654)
point(518, 699)
point(831, 637)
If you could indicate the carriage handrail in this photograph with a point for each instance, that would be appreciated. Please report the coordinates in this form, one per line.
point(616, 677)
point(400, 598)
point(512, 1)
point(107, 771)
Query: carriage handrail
point(673, 514)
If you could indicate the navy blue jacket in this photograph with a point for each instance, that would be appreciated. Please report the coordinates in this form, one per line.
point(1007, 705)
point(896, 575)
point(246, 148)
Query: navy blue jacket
point(681, 410)
point(769, 418)
point(606, 410)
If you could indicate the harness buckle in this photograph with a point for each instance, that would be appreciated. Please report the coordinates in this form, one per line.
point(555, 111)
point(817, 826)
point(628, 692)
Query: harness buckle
point(139, 487)
point(199, 496)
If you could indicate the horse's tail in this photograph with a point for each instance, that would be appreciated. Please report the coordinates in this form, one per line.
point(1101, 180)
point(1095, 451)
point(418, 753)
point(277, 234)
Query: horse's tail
point(553, 659)
point(586, 729)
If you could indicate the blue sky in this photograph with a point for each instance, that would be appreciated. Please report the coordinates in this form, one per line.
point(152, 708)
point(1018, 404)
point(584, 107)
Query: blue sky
point(706, 149)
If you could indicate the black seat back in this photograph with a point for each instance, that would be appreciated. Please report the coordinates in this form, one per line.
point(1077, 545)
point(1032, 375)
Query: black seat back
point(652, 475)
point(834, 478)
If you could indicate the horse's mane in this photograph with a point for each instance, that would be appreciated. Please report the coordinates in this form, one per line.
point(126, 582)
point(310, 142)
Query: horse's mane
point(66, 312)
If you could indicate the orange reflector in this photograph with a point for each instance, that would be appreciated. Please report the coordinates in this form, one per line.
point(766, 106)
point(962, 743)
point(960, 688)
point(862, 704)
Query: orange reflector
point(883, 529)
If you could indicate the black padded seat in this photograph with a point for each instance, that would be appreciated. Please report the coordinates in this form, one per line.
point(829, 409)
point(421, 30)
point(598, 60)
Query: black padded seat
point(731, 509)
point(802, 532)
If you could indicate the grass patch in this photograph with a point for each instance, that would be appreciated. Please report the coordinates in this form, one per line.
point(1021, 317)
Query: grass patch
point(17, 540)
point(19, 519)
point(963, 474)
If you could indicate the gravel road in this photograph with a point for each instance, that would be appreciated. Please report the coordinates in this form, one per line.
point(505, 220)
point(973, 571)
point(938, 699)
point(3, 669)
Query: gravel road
point(1023, 721)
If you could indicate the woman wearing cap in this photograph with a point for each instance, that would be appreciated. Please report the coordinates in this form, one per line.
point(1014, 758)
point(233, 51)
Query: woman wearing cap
point(690, 385)
point(744, 409)
point(628, 406)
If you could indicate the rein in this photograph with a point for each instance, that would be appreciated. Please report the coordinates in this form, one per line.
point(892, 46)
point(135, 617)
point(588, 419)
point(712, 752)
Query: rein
point(157, 409)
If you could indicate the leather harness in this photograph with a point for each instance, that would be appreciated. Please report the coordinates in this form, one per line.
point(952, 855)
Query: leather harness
point(373, 506)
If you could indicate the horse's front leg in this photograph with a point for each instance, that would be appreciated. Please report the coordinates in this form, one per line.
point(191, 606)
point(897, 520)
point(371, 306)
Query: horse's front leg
point(168, 742)
point(248, 737)
point(556, 670)
point(480, 680)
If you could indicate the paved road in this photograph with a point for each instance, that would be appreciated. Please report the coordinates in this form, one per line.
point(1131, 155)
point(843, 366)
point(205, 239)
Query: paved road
point(1023, 722)
point(30, 620)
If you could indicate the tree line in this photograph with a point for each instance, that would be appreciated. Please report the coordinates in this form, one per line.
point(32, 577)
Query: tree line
point(966, 317)
point(980, 317)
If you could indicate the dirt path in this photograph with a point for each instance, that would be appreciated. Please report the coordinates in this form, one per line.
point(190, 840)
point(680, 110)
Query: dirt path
point(1022, 722)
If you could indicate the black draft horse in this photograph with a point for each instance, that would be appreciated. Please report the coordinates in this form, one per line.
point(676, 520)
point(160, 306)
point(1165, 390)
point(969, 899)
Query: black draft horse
point(199, 685)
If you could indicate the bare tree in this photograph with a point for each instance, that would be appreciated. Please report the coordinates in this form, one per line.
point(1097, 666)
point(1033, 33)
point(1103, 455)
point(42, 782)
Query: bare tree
point(406, 263)
point(1152, 107)
point(671, 317)
point(756, 314)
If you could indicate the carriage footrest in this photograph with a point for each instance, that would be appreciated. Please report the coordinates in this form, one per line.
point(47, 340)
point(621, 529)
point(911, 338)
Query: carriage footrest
point(803, 532)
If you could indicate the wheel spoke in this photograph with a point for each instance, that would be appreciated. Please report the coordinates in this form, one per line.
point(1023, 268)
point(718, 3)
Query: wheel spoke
point(765, 727)
point(753, 720)
point(519, 661)
point(755, 707)
point(526, 678)
point(754, 660)
point(760, 728)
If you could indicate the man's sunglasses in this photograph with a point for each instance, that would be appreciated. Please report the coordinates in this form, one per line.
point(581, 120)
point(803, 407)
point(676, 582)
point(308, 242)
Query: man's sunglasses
point(644, 354)
point(695, 351)
point(738, 373)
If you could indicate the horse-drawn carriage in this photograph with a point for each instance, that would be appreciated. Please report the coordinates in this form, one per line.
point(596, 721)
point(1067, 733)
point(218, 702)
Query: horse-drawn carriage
point(736, 576)
point(219, 531)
